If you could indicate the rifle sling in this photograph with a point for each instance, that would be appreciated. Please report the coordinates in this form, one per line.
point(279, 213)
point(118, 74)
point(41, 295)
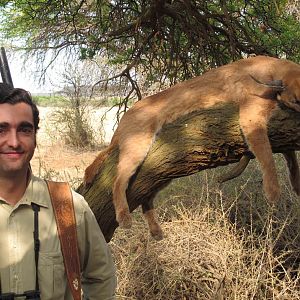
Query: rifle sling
point(63, 207)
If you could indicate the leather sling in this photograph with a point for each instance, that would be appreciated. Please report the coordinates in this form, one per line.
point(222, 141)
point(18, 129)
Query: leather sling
point(63, 207)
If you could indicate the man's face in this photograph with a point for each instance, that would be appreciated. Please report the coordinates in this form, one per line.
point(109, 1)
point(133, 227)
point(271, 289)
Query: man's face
point(17, 139)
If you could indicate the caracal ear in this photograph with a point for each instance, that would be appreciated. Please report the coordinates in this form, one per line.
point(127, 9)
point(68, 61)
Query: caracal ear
point(290, 97)
point(276, 85)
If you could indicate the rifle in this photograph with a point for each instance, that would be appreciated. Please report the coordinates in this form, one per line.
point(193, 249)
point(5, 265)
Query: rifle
point(4, 68)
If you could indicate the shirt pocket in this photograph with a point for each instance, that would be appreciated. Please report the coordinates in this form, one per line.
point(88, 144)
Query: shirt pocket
point(52, 278)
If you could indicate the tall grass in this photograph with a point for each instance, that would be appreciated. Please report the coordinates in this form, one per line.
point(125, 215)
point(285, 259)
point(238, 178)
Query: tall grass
point(221, 242)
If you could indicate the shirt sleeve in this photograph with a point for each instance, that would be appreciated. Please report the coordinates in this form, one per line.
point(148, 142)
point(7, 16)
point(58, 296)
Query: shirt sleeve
point(97, 266)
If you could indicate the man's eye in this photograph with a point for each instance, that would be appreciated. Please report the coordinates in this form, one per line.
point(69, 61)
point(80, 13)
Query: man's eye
point(2, 130)
point(26, 130)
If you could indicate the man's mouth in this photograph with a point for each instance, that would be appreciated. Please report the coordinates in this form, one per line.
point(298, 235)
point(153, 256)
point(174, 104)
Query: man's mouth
point(13, 154)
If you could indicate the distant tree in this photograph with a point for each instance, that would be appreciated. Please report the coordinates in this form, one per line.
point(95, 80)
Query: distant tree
point(163, 40)
point(78, 92)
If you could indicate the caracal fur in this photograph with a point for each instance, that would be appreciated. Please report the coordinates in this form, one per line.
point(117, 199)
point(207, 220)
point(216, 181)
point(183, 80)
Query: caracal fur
point(230, 83)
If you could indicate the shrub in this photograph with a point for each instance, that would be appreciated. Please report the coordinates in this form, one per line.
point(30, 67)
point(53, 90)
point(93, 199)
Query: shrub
point(73, 126)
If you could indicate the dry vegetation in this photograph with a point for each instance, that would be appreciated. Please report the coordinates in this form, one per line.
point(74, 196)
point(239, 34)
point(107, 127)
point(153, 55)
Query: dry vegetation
point(221, 242)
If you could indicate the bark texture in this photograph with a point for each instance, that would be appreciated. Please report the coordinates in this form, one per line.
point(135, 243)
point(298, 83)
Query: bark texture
point(201, 140)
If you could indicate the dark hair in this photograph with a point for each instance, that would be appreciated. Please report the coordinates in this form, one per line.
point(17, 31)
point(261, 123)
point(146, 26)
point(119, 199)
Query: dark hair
point(15, 95)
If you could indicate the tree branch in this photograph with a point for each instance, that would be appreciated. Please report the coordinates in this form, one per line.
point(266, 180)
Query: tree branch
point(201, 140)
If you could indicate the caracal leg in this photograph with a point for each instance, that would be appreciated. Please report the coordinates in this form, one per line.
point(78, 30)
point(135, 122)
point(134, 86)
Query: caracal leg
point(132, 154)
point(151, 218)
point(293, 167)
point(254, 115)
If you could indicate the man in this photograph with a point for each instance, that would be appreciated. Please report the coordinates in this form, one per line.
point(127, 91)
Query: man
point(19, 119)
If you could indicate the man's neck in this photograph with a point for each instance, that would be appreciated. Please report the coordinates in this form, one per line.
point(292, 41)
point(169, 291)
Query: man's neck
point(13, 188)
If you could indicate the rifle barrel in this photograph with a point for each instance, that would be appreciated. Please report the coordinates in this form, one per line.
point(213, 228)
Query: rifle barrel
point(4, 68)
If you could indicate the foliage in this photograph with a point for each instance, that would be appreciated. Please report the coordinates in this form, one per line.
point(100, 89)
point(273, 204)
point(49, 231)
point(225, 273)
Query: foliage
point(73, 125)
point(164, 41)
point(62, 101)
point(50, 100)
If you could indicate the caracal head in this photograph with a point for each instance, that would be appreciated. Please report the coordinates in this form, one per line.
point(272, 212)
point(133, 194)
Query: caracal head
point(290, 96)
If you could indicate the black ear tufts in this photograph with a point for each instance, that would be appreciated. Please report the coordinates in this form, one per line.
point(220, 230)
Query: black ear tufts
point(277, 85)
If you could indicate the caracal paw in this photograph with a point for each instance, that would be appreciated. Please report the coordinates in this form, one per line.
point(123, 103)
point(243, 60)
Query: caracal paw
point(124, 219)
point(156, 232)
point(272, 192)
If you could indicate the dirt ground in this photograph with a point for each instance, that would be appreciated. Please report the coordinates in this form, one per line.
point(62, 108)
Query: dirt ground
point(60, 162)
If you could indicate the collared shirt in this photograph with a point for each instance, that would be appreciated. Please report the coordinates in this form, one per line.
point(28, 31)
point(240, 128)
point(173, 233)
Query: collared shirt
point(17, 258)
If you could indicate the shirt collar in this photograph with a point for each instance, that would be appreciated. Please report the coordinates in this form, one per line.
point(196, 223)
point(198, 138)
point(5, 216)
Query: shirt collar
point(36, 192)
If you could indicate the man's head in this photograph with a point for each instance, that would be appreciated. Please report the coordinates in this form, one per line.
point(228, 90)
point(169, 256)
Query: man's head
point(19, 119)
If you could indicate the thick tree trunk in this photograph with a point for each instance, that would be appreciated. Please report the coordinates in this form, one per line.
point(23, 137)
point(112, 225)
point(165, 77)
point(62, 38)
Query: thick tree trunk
point(201, 140)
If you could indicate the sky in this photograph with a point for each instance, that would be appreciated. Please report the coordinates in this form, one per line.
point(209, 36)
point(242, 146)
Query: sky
point(27, 76)
point(25, 81)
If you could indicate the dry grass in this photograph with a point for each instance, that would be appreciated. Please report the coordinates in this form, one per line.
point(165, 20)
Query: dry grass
point(220, 243)
point(203, 256)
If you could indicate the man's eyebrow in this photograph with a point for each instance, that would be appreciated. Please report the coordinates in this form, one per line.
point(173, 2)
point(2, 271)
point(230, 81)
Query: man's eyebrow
point(25, 124)
point(4, 124)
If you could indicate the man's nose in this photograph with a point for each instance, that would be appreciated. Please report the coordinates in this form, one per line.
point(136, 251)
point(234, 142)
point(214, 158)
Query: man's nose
point(13, 139)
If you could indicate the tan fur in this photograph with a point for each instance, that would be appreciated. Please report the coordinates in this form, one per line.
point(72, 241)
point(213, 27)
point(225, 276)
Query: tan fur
point(154, 226)
point(230, 83)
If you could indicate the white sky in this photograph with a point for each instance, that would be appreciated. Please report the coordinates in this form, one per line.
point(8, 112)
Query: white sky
point(26, 77)
point(22, 80)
